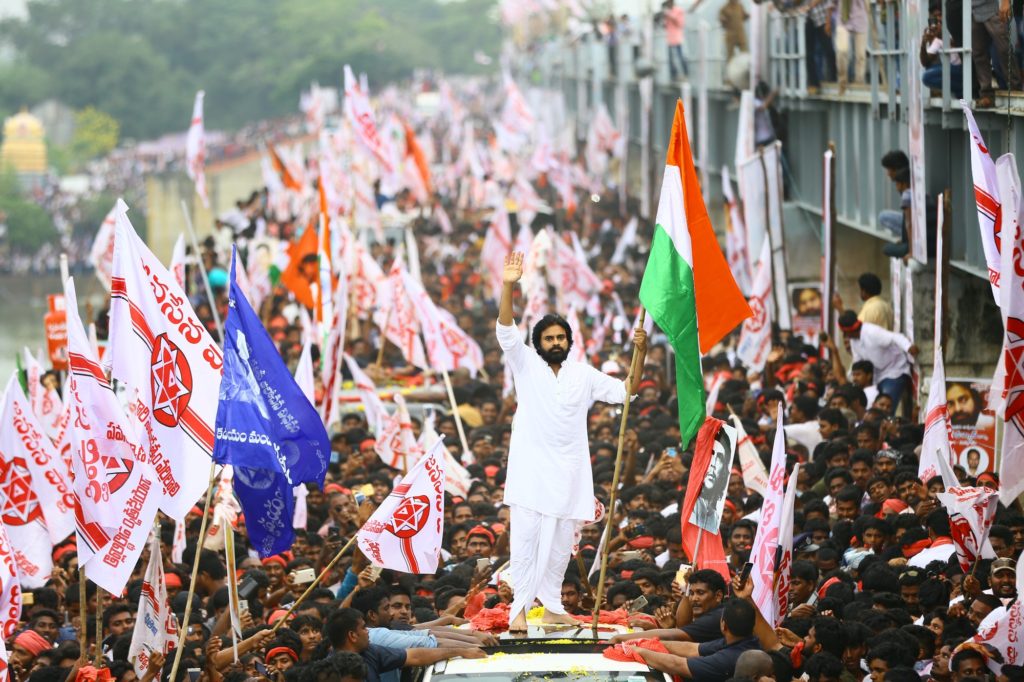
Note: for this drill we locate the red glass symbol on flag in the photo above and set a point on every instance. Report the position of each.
(171, 381)
(20, 504)
(410, 516)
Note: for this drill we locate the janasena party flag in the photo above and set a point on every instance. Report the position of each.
(764, 551)
(266, 428)
(10, 598)
(404, 534)
(169, 364)
(116, 490)
(688, 288)
(971, 512)
(156, 628)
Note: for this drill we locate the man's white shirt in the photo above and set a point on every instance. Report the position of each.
(887, 351)
(549, 455)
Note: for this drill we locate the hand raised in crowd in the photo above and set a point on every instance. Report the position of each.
(665, 615)
(513, 271)
(367, 578)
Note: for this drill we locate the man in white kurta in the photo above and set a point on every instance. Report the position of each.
(549, 486)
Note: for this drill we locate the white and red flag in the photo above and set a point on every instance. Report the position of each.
(457, 480)
(170, 366)
(971, 512)
(578, 352)
(404, 534)
(756, 334)
(785, 553)
(360, 116)
(372, 404)
(115, 489)
(497, 245)
(1004, 633)
(736, 236)
(395, 442)
(769, 528)
(177, 265)
(156, 629)
(448, 347)
(46, 402)
(986, 196)
(572, 278)
(22, 439)
(755, 475)
(935, 445)
(10, 595)
(102, 253)
(195, 149)
(1011, 293)
(396, 317)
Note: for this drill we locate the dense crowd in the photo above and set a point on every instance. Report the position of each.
(876, 587)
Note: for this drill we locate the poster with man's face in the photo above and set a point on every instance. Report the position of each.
(972, 425)
(806, 303)
(707, 513)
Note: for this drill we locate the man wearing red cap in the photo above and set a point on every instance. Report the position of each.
(549, 487)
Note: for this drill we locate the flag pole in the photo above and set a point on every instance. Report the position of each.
(615, 478)
(455, 409)
(83, 613)
(384, 336)
(206, 283)
(312, 586)
(195, 561)
(98, 654)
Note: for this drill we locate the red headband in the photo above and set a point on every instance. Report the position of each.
(280, 650)
(275, 559)
(852, 328)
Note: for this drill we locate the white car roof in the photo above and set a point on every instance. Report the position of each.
(530, 662)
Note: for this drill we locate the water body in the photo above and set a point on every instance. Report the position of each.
(22, 307)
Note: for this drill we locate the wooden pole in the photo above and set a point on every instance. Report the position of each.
(83, 613)
(205, 274)
(455, 410)
(383, 336)
(312, 586)
(97, 658)
(183, 633)
(615, 479)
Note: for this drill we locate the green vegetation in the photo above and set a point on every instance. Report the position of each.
(28, 225)
(141, 61)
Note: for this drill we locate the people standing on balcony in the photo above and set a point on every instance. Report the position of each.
(629, 37)
(851, 36)
(990, 29)
(612, 39)
(931, 51)
(674, 19)
(821, 55)
(733, 19)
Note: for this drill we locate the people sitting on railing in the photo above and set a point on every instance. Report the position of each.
(931, 49)
(990, 29)
(851, 36)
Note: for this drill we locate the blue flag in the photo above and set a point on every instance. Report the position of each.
(266, 428)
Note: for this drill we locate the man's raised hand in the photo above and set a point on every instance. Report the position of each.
(513, 268)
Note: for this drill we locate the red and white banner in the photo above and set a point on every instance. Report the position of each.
(769, 525)
(177, 266)
(448, 347)
(170, 366)
(756, 332)
(457, 480)
(115, 488)
(971, 512)
(360, 115)
(372, 404)
(46, 402)
(986, 196)
(195, 149)
(935, 445)
(1004, 634)
(755, 475)
(395, 442)
(574, 281)
(785, 553)
(396, 317)
(10, 594)
(578, 352)
(102, 253)
(516, 115)
(736, 236)
(1011, 302)
(22, 439)
(156, 629)
(404, 534)
(497, 245)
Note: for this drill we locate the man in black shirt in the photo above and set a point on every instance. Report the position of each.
(699, 613)
(346, 631)
(711, 661)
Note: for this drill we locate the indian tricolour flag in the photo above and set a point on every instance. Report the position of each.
(688, 288)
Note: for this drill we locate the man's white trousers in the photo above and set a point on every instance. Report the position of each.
(541, 548)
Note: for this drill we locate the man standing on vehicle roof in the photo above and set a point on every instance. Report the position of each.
(549, 486)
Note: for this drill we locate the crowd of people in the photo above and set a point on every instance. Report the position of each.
(876, 589)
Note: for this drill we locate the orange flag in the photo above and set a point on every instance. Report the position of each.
(303, 268)
(287, 178)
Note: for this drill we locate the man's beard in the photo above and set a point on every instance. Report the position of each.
(963, 418)
(554, 356)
